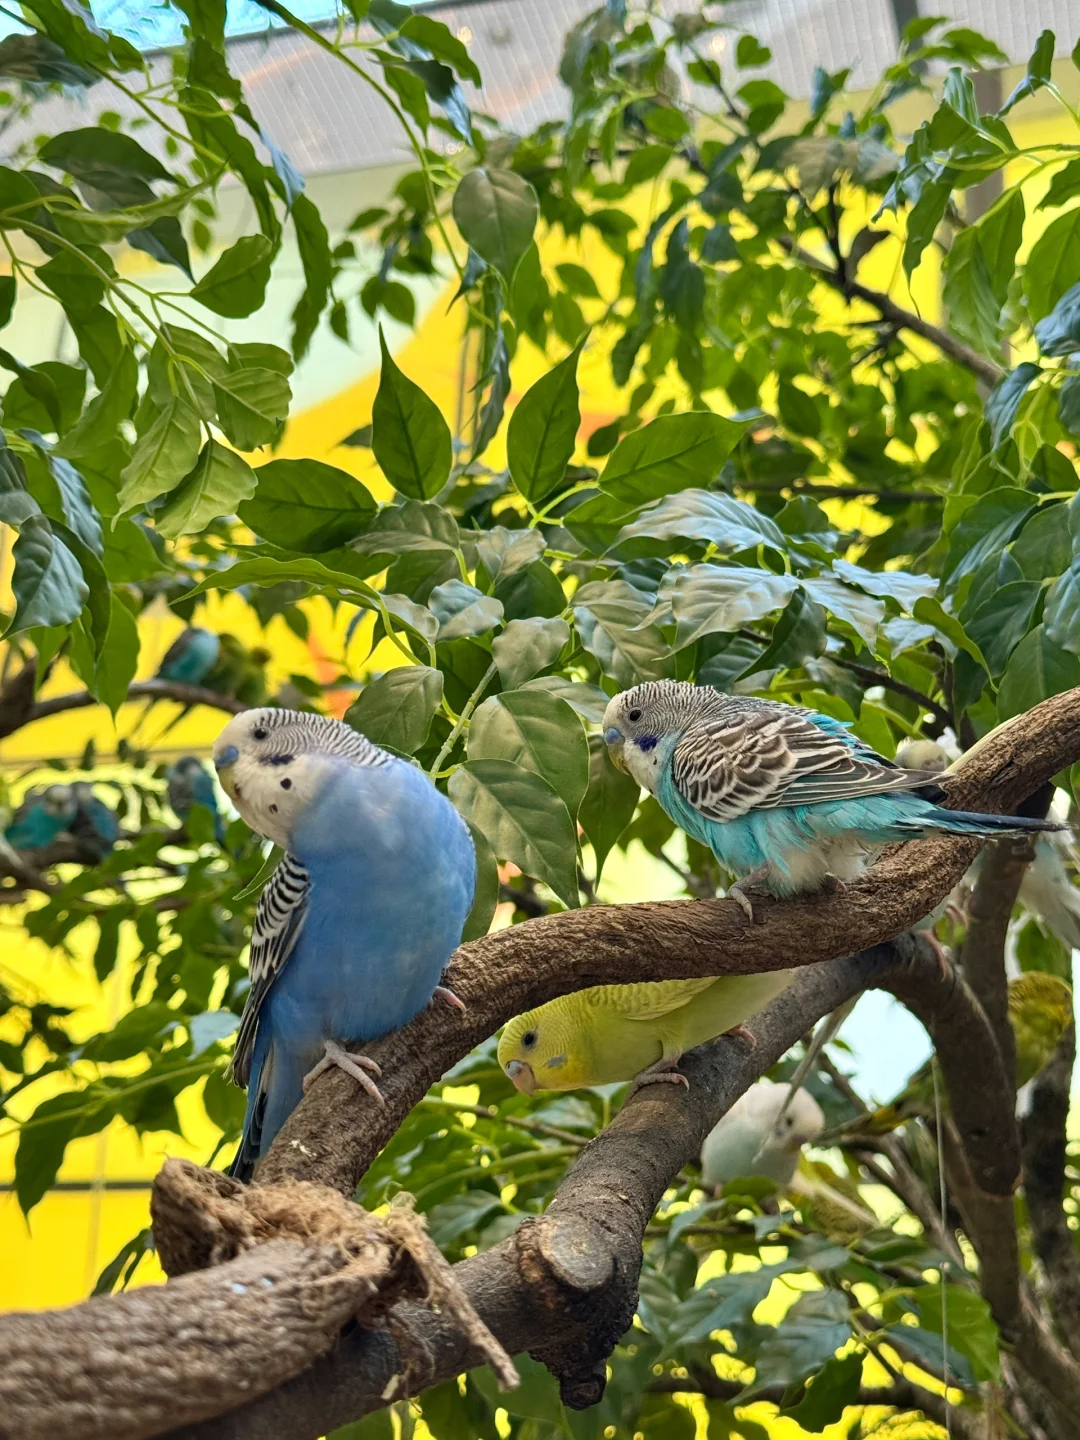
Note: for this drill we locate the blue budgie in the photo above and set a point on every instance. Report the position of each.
(355, 926)
(191, 656)
(94, 826)
(42, 817)
(190, 783)
(783, 796)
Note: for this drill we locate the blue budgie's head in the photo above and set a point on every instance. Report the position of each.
(272, 763)
(638, 722)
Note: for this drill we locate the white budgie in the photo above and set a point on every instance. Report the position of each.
(742, 1142)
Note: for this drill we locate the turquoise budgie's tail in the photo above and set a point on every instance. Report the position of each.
(966, 822)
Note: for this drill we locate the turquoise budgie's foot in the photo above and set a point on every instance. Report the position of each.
(939, 950)
(355, 1065)
(663, 1072)
(737, 892)
(443, 992)
(833, 885)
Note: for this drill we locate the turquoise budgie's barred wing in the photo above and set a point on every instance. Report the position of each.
(280, 913)
(762, 755)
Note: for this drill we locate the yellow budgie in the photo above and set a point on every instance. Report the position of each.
(613, 1033)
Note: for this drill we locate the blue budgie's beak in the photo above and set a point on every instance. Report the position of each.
(613, 739)
(224, 760)
(521, 1073)
(227, 757)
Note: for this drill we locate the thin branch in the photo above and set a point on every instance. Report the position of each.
(842, 492)
(985, 370)
(142, 689)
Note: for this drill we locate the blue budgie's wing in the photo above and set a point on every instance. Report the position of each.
(280, 913)
(765, 755)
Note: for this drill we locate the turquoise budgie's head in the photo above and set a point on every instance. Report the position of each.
(59, 801)
(272, 763)
(638, 722)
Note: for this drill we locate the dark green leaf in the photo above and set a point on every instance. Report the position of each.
(528, 646)
(219, 480)
(164, 454)
(36, 57)
(119, 657)
(318, 265)
(1062, 614)
(1053, 267)
(496, 212)
(609, 803)
(974, 311)
(805, 1340)
(306, 505)
(612, 620)
(537, 731)
(1001, 622)
(985, 529)
(1005, 398)
(671, 453)
(48, 583)
(486, 896)
(543, 430)
(829, 1393)
(396, 709)
(462, 610)
(523, 819)
(707, 599)
(1037, 669)
(42, 1145)
(105, 159)
(410, 438)
(236, 284)
(968, 1324)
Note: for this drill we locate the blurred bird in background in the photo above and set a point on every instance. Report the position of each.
(744, 1143)
(94, 827)
(191, 656)
(190, 783)
(43, 815)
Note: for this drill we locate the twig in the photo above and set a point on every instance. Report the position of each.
(142, 689)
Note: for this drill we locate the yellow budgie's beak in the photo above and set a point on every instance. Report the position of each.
(615, 742)
(521, 1073)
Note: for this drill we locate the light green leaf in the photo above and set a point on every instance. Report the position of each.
(236, 284)
(537, 731)
(219, 480)
(251, 404)
(543, 430)
(898, 585)
(48, 582)
(523, 819)
(163, 456)
(306, 505)
(526, 646)
(613, 622)
(974, 311)
(462, 610)
(727, 523)
(396, 708)
(673, 452)
(609, 803)
(486, 895)
(265, 570)
(119, 657)
(861, 612)
(1053, 265)
(968, 1322)
(410, 438)
(496, 212)
(707, 599)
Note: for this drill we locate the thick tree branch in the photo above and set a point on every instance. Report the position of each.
(1001, 871)
(14, 714)
(334, 1133)
(1044, 1179)
(896, 315)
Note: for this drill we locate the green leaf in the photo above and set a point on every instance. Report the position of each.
(974, 311)
(523, 819)
(235, 285)
(219, 480)
(410, 527)
(16, 502)
(863, 613)
(805, 1340)
(968, 1324)
(462, 610)
(1043, 548)
(1037, 669)
(528, 646)
(486, 896)
(165, 453)
(1038, 71)
(829, 1393)
(1000, 231)
(543, 430)
(48, 583)
(1064, 186)
(268, 571)
(711, 599)
(105, 159)
(410, 438)
(721, 1303)
(318, 265)
(985, 529)
(396, 708)
(306, 505)
(36, 57)
(931, 612)
(799, 635)
(504, 552)
(727, 523)
(1004, 399)
(42, 1145)
(251, 404)
(671, 453)
(537, 731)
(61, 492)
(609, 803)
(1053, 267)
(119, 657)
(897, 585)
(496, 212)
(613, 621)
(589, 701)
(1062, 614)
(440, 40)
(1002, 620)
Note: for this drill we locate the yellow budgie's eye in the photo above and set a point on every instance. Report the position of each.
(529, 1039)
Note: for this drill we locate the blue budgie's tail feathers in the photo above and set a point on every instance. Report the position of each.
(967, 822)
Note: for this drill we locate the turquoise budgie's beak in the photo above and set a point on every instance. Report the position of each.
(521, 1073)
(613, 739)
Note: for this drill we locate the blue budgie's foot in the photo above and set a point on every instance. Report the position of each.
(355, 1065)
(663, 1072)
(443, 992)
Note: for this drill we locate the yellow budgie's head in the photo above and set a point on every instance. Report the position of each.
(1040, 1008)
(546, 1048)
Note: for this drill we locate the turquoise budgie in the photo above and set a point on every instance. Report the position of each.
(355, 926)
(743, 1142)
(41, 818)
(94, 827)
(191, 656)
(191, 784)
(780, 794)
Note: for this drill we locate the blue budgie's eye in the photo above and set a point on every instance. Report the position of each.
(633, 715)
(259, 733)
